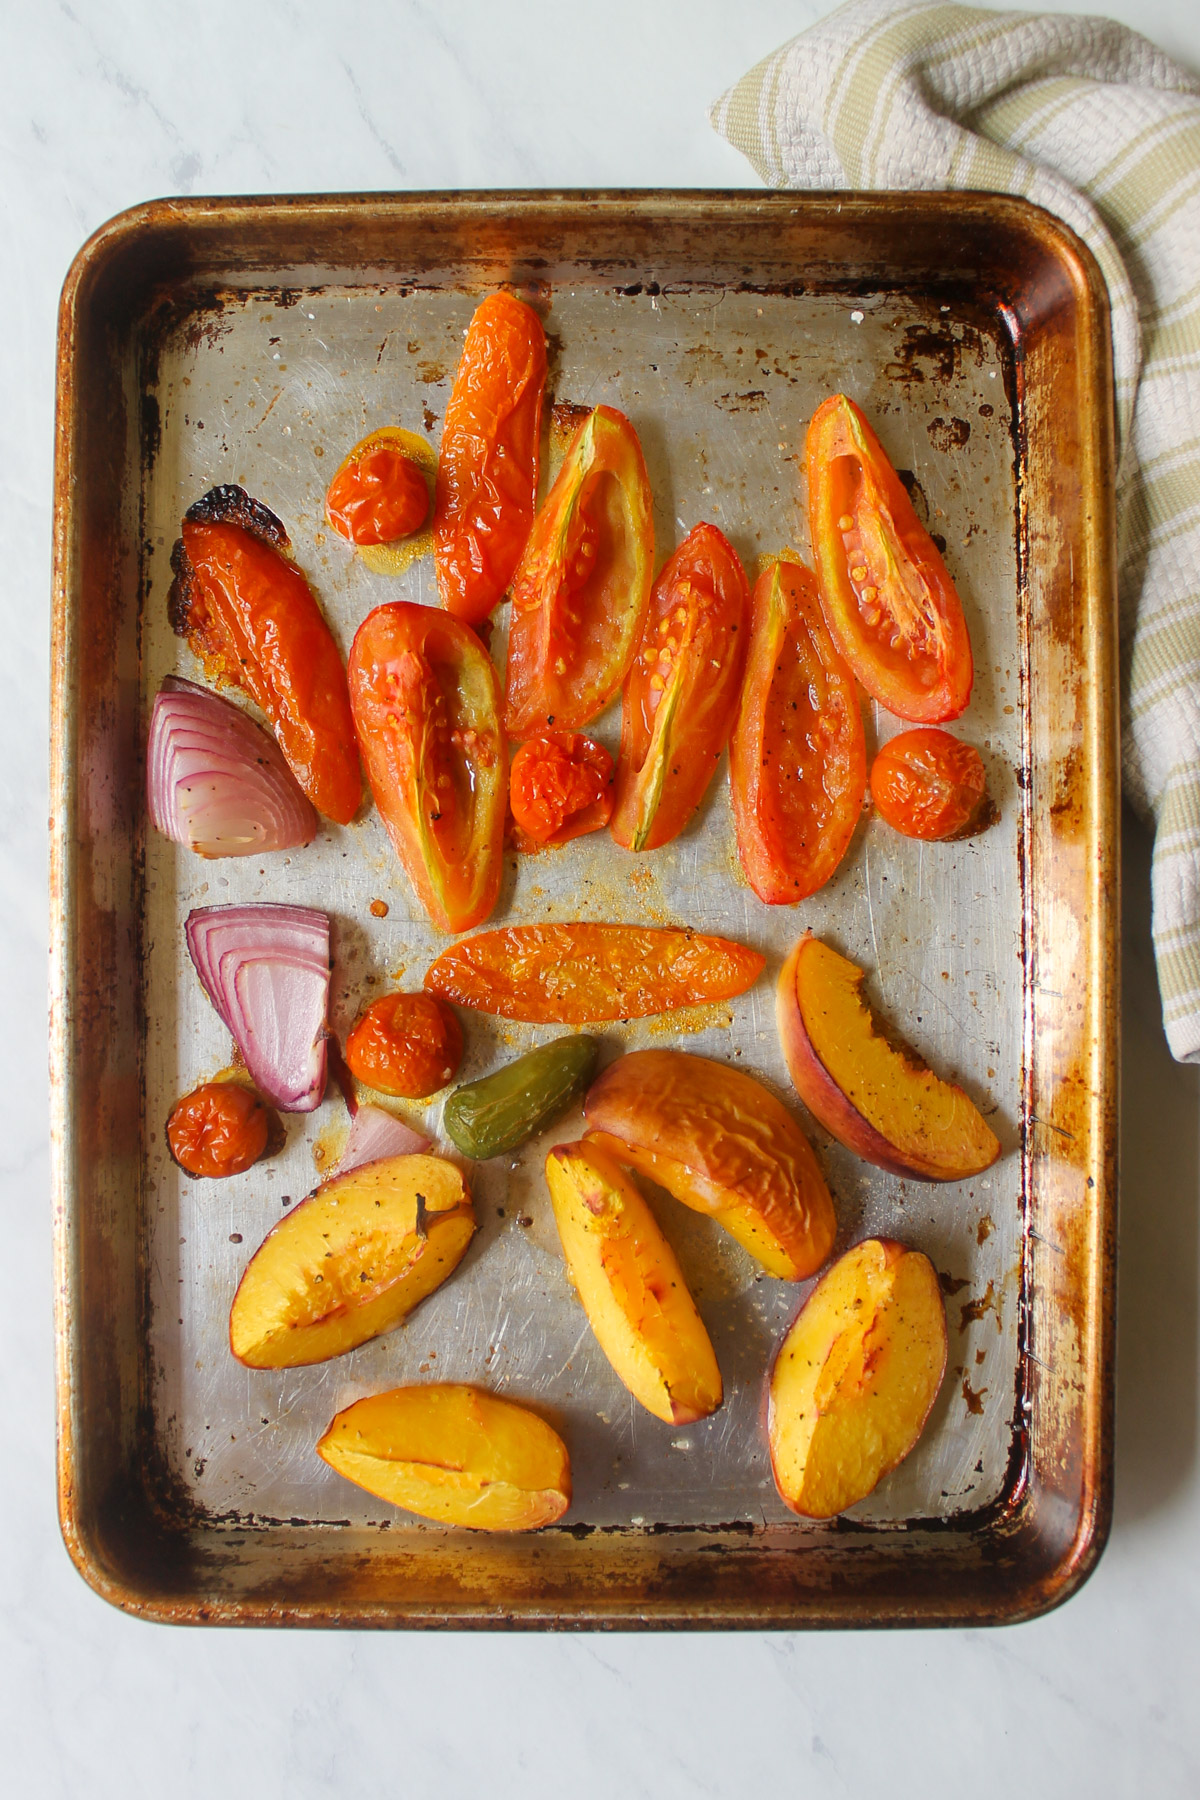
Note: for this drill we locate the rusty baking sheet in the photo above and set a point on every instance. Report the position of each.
(254, 341)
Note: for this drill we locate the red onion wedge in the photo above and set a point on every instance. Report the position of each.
(217, 782)
(266, 970)
(376, 1133)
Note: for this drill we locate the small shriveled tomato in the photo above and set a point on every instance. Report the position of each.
(426, 708)
(253, 620)
(928, 784)
(405, 1044)
(221, 1128)
(488, 469)
(681, 694)
(561, 787)
(378, 495)
(580, 595)
(888, 600)
(797, 758)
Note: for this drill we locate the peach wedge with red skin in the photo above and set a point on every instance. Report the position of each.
(453, 1453)
(631, 1286)
(880, 1103)
(722, 1144)
(856, 1377)
(351, 1261)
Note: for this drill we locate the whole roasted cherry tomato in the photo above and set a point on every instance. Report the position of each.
(561, 787)
(426, 708)
(219, 1129)
(377, 496)
(406, 1044)
(928, 784)
(888, 600)
(251, 617)
(579, 597)
(681, 693)
(797, 758)
(488, 468)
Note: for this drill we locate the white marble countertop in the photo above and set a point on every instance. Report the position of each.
(109, 102)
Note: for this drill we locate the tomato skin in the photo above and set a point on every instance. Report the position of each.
(928, 784)
(221, 1128)
(861, 519)
(797, 758)
(250, 615)
(378, 496)
(426, 708)
(488, 469)
(681, 694)
(405, 1044)
(580, 595)
(561, 787)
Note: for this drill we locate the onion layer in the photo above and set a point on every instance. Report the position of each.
(266, 971)
(216, 782)
(376, 1133)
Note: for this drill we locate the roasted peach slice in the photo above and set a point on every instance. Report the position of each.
(856, 1377)
(350, 1261)
(631, 1286)
(720, 1142)
(881, 1103)
(455, 1454)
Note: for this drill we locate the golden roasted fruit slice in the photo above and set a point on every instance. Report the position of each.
(877, 1101)
(350, 1261)
(455, 1454)
(631, 1286)
(856, 1377)
(720, 1142)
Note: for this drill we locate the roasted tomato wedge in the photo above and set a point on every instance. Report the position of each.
(252, 619)
(561, 787)
(488, 469)
(378, 495)
(888, 600)
(580, 595)
(681, 694)
(928, 784)
(426, 708)
(797, 759)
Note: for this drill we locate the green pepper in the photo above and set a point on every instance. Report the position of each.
(499, 1112)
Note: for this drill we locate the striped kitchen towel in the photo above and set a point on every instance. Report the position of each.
(1092, 122)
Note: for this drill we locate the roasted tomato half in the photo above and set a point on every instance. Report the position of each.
(561, 787)
(888, 600)
(252, 619)
(580, 595)
(681, 694)
(426, 708)
(488, 468)
(928, 784)
(797, 759)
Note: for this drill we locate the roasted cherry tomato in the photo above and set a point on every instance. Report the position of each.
(561, 787)
(406, 1044)
(378, 495)
(426, 708)
(219, 1129)
(797, 759)
(488, 469)
(681, 694)
(579, 597)
(251, 617)
(888, 601)
(928, 784)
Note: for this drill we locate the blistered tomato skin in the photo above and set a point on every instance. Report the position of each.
(405, 1044)
(681, 694)
(928, 784)
(488, 468)
(219, 1129)
(561, 787)
(378, 497)
(797, 758)
(888, 599)
(580, 594)
(426, 708)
